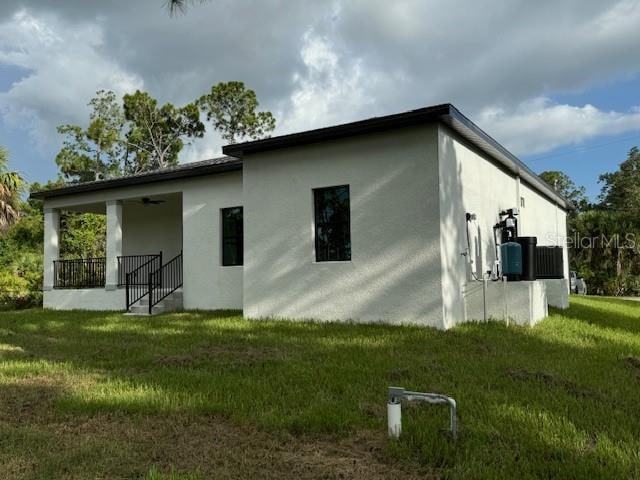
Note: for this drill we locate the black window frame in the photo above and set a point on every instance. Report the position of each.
(232, 239)
(322, 255)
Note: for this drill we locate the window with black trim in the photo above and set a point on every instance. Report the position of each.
(232, 242)
(332, 224)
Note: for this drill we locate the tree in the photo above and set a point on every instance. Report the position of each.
(97, 151)
(11, 184)
(603, 240)
(21, 259)
(606, 252)
(157, 135)
(607, 235)
(123, 140)
(83, 235)
(562, 184)
(232, 109)
(621, 189)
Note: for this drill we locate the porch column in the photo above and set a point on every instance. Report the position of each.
(51, 241)
(114, 243)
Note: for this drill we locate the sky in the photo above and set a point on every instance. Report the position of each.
(557, 83)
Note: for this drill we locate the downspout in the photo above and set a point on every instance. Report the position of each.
(557, 230)
(519, 229)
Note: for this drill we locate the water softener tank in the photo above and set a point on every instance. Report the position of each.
(511, 255)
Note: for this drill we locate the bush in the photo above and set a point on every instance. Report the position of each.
(21, 280)
(21, 262)
(18, 292)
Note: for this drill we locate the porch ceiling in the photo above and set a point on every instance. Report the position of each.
(98, 207)
(149, 201)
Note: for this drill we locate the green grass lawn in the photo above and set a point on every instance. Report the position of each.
(211, 395)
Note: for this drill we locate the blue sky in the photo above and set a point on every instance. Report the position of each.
(584, 162)
(561, 90)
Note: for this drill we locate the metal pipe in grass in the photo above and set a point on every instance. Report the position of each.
(394, 409)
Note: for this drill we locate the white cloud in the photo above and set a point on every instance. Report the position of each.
(316, 64)
(475, 55)
(66, 65)
(539, 125)
(378, 58)
(210, 146)
(333, 88)
(328, 91)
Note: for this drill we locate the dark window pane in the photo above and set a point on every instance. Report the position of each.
(232, 241)
(332, 224)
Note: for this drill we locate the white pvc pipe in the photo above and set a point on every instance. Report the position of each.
(394, 419)
(484, 297)
(394, 412)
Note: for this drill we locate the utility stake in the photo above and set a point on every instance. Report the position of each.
(394, 408)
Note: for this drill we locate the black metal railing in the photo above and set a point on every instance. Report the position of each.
(79, 273)
(164, 281)
(133, 263)
(137, 282)
(549, 262)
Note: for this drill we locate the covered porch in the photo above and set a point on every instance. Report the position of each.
(143, 260)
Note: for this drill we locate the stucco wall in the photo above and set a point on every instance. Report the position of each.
(471, 183)
(148, 229)
(394, 274)
(523, 303)
(557, 292)
(84, 299)
(207, 284)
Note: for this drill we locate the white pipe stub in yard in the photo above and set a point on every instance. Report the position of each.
(394, 417)
(394, 409)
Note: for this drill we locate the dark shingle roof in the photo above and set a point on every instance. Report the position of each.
(203, 167)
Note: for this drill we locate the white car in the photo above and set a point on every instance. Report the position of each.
(577, 283)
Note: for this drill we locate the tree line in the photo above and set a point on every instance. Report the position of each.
(604, 236)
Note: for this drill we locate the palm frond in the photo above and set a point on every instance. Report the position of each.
(10, 183)
(179, 7)
(11, 186)
(8, 215)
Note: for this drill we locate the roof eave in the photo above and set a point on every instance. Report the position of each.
(471, 132)
(445, 113)
(370, 125)
(137, 180)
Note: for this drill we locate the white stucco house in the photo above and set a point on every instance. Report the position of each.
(365, 221)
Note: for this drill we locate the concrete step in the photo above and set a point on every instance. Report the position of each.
(166, 302)
(171, 303)
(144, 311)
(172, 297)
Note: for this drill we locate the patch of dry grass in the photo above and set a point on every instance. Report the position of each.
(38, 442)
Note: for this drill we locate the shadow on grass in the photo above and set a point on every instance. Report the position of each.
(544, 394)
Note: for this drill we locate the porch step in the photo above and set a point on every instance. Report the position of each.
(171, 303)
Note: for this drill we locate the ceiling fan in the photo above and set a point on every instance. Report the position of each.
(149, 201)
